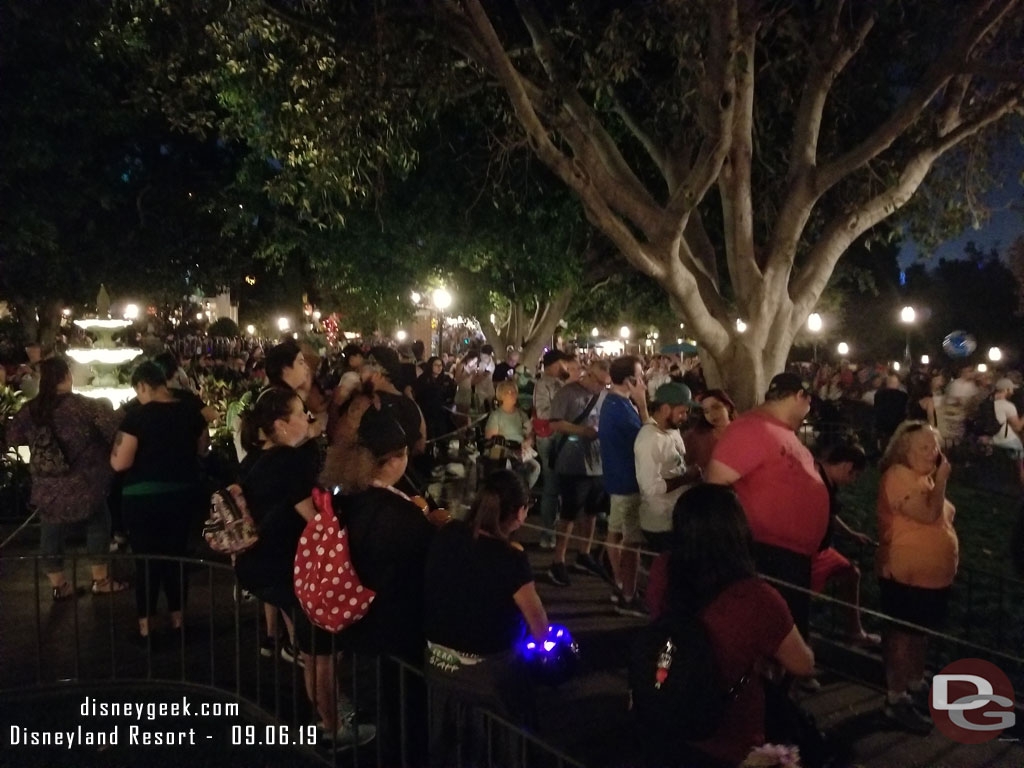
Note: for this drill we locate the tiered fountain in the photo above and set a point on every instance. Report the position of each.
(103, 358)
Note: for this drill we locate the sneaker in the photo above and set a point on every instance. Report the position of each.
(267, 647)
(903, 714)
(810, 684)
(559, 575)
(631, 607)
(547, 540)
(585, 563)
(291, 654)
(349, 734)
(616, 595)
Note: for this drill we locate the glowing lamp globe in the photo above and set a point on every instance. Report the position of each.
(553, 660)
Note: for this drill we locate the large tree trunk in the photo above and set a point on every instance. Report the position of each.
(544, 328)
(744, 369)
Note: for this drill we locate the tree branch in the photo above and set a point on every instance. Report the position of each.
(638, 204)
(847, 227)
(652, 146)
(724, 101)
(985, 17)
(293, 19)
(570, 172)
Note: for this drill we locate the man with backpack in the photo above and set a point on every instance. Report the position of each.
(1007, 420)
(576, 459)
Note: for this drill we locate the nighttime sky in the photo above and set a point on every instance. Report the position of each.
(1004, 226)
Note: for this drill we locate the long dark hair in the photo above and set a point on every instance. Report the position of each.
(52, 372)
(272, 404)
(710, 546)
(502, 496)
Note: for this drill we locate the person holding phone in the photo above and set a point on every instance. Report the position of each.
(916, 563)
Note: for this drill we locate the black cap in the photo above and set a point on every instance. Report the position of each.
(388, 360)
(787, 384)
(555, 356)
(380, 432)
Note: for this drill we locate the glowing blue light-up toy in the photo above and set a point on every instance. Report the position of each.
(554, 659)
(959, 344)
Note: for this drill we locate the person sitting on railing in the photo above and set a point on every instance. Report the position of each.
(510, 435)
(480, 591)
(916, 563)
(158, 444)
(709, 571)
(82, 430)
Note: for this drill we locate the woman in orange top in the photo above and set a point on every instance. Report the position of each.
(917, 560)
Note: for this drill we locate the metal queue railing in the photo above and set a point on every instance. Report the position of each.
(80, 642)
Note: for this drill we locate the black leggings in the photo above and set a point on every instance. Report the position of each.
(158, 525)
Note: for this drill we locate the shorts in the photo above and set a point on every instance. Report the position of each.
(825, 565)
(624, 517)
(658, 541)
(916, 605)
(309, 638)
(581, 495)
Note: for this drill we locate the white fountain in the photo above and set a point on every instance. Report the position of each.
(104, 355)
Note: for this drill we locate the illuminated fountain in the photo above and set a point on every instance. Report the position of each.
(104, 356)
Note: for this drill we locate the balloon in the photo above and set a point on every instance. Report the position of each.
(553, 660)
(959, 344)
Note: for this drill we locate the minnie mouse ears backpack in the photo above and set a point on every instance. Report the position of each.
(326, 584)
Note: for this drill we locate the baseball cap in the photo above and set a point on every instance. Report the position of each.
(388, 360)
(380, 432)
(673, 393)
(1005, 383)
(555, 356)
(787, 383)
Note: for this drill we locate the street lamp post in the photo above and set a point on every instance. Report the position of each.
(814, 325)
(442, 300)
(907, 316)
(624, 334)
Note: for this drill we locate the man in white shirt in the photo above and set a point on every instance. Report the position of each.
(963, 388)
(661, 469)
(1010, 423)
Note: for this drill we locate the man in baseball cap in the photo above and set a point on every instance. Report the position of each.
(661, 468)
(1010, 422)
(773, 474)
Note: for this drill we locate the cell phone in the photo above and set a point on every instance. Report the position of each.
(938, 460)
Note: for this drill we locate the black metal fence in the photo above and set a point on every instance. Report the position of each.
(88, 644)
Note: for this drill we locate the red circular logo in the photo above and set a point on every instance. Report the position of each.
(972, 701)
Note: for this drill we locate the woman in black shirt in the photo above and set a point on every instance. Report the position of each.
(278, 477)
(480, 592)
(157, 448)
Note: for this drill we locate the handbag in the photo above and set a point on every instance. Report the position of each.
(47, 457)
(325, 581)
(229, 529)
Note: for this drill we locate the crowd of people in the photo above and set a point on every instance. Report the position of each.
(716, 496)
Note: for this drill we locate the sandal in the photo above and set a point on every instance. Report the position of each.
(64, 592)
(108, 586)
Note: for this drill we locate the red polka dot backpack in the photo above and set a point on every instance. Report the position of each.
(325, 581)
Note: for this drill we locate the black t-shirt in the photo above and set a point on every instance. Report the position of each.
(406, 412)
(470, 587)
(502, 372)
(389, 537)
(273, 482)
(890, 409)
(168, 435)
